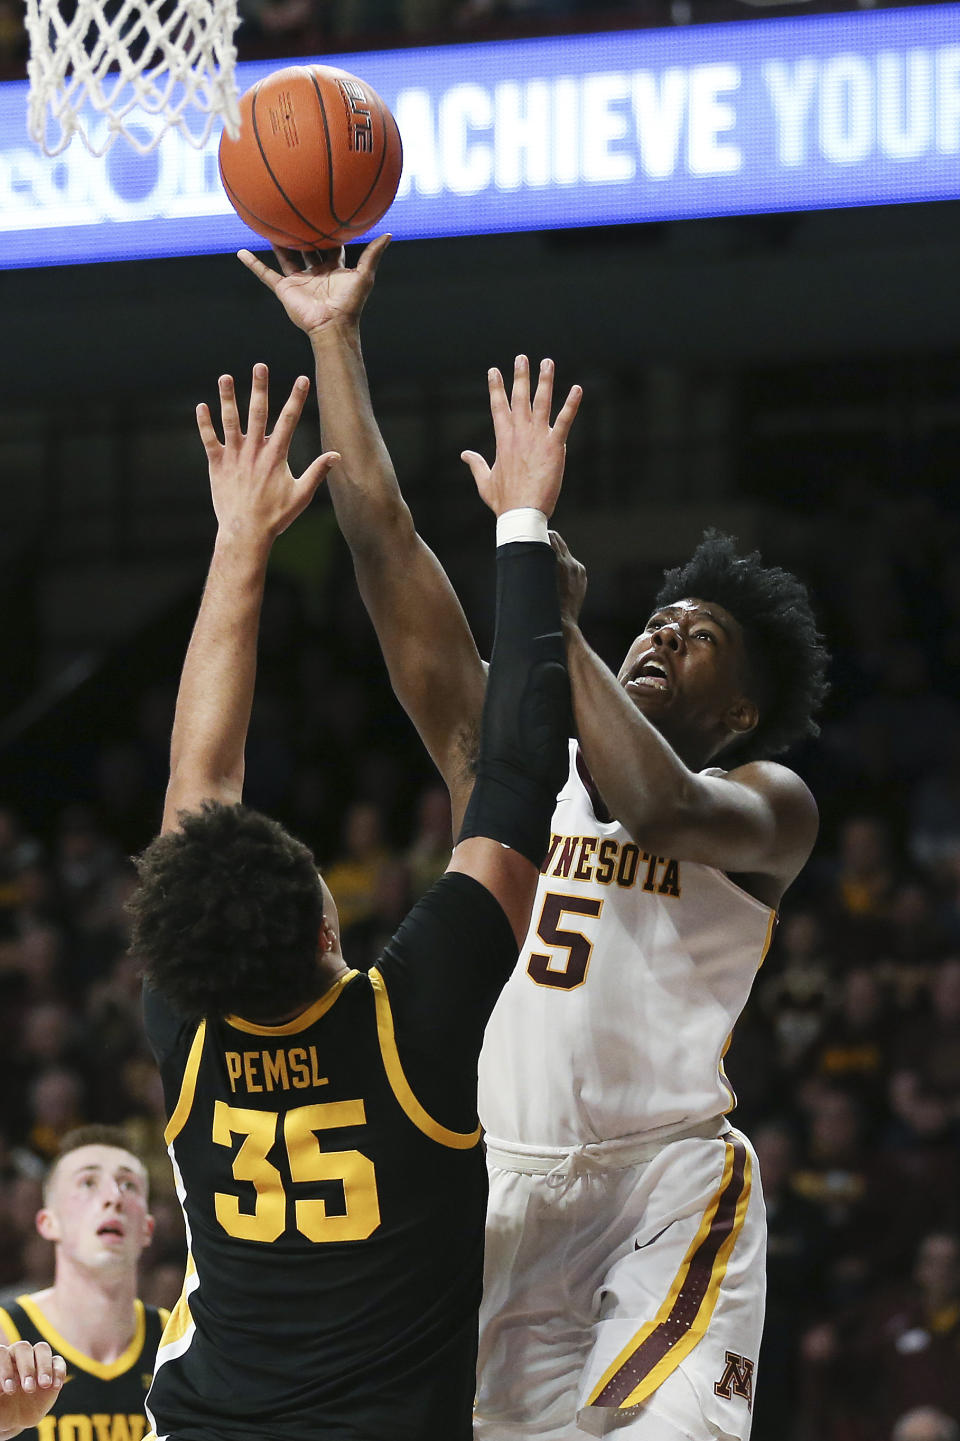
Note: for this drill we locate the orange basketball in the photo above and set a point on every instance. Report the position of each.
(317, 161)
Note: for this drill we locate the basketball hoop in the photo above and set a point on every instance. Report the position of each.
(95, 65)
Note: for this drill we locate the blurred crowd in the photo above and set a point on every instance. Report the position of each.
(278, 28)
(275, 28)
(846, 1062)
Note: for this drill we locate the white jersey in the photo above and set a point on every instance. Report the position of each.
(633, 973)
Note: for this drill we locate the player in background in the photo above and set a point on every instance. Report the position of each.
(95, 1211)
(323, 1121)
(624, 1281)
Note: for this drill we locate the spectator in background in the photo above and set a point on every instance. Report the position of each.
(865, 873)
(930, 1046)
(926, 1423)
(429, 851)
(793, 996)
(795, 1253)
(908, 1347)
(22, 1199)
(853, 1050)
(389, 904)
(16, 853)
(55, 1106)
(916, 1174)
(83, 859)
(832, 1173)
(916, 938)
(354, 874)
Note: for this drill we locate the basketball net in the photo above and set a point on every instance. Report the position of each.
(119, 60)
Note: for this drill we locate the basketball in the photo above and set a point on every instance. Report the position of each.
(317, 161)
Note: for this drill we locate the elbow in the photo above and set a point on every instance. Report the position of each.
(393, 533)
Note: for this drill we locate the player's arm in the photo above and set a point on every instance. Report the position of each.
(435, 668)
(30, 1380)
(758, 819)
(255, 497)
(526, 714)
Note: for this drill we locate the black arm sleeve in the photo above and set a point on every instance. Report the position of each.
(166, 1031)
(444, 970)
(526, 714)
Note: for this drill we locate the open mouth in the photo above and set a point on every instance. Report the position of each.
(649, 676)
(111, 1228)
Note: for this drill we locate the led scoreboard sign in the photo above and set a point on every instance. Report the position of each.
(760, 115)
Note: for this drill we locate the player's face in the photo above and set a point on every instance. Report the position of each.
(686, 672)
(96, 1209)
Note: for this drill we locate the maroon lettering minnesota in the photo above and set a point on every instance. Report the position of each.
(610, 862)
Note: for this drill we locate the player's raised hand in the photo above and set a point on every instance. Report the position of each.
(316, 287)
(528, 468)
(255, 494)
(30, 1382)
(571, 580)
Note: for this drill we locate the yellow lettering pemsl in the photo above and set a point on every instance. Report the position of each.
(251, 1059)
(275, 1070)
(299, 1067)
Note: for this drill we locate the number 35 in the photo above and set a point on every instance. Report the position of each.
(308, 1162)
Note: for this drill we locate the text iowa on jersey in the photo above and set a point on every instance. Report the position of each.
(101, 1426)
(609, 862)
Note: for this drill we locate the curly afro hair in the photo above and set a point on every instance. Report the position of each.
(785, 652)
(227, 915)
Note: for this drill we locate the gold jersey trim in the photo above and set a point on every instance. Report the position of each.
(188, 1086)
(658, 1347)
(724, 1079)
(8, 1328)
(299, 1023)
(103, 1370)
(457, 1140)
(179, 1320)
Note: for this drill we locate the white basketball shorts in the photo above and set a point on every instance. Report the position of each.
(622, 1298)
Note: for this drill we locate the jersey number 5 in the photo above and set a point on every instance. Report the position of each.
(268, 1219)
(575, 943)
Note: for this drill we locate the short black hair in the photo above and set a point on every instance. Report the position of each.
(226, 917)
(785, 652)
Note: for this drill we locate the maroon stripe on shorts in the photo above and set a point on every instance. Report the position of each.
(689, 1299)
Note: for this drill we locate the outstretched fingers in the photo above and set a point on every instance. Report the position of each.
(499, 404)
(208, 436)
(479, 468)
(567, 414)
(229, 415)
(263, 272)
(290, 415)
(259, 402)
(372, 254)
(520, 396)
(317, 472)
(543, 395)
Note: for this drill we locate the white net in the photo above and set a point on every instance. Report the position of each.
(95, 66)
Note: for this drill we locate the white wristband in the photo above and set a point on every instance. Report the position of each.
(525, 523)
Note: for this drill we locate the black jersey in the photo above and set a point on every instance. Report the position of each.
(98, 1401)
(334, 1189)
